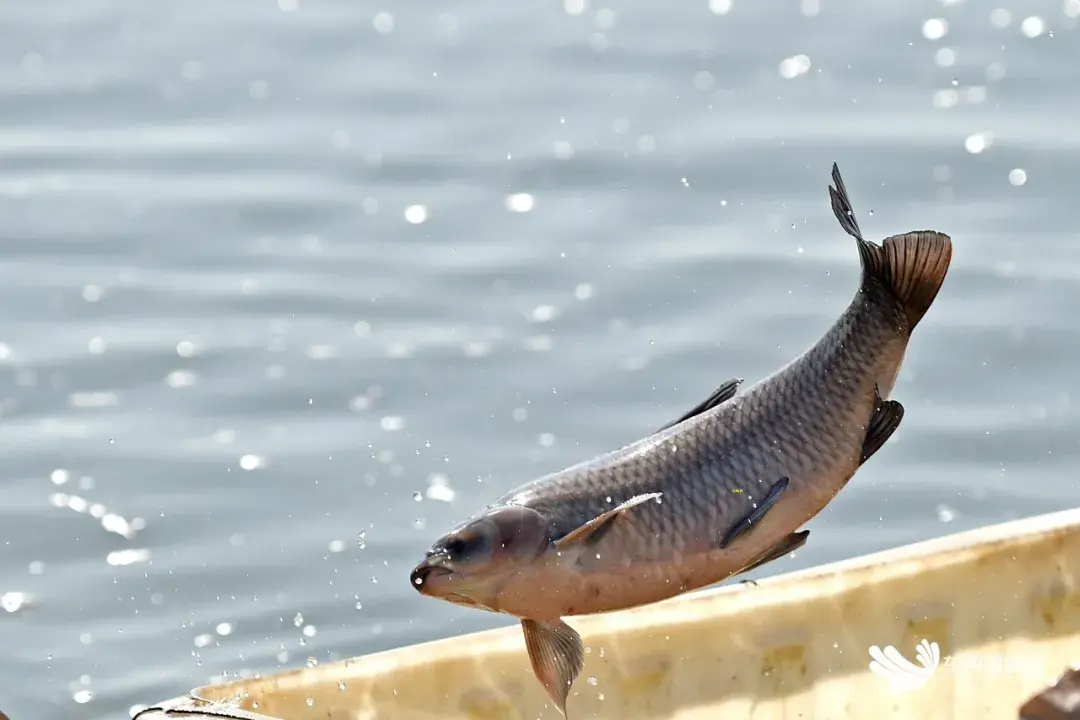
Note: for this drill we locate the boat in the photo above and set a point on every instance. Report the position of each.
(964, 626)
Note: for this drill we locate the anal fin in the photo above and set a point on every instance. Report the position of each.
(756, 514)
(883, 423)
(557, 656)
(789, 544)
(592, 531)
(719, 396)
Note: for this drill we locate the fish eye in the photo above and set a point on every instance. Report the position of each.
(506, 532)
(455, 548)
(463, 548)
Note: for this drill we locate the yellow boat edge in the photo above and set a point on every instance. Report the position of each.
(1001, 602)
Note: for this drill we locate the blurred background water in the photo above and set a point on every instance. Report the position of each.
(288, 287)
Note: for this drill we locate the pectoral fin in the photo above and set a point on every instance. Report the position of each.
(719, 396)
(789, 544)
(757, 513)
(557, 656)
(883, 423)
(591, 532)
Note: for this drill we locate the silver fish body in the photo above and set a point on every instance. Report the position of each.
(719, 492)
(806, 422)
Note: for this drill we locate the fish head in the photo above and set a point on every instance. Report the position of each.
(471, 565)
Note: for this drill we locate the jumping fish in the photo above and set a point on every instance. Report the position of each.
(718, 492)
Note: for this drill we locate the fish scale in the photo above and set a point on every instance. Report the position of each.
(721, 491)
(801, 422)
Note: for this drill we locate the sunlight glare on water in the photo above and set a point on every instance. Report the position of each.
(278, 274)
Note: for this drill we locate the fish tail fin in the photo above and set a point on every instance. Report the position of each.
(912, 266)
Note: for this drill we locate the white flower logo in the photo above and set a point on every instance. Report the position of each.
(902, 674)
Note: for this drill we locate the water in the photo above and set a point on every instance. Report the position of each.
(230, 344)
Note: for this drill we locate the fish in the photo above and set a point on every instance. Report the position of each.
(720, 491)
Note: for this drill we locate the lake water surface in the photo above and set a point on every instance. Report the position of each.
(287, 288)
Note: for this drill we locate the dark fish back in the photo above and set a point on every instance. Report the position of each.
(712, 468)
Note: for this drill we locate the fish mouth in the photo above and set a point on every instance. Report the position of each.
(429, 572)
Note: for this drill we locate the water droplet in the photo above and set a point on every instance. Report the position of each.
(574, 7)
(520, 202)
(439, 488)
(414, 214)
(310, 702)
(1033, 26)
(13, 601)
(298, 620)
(945, 513)
(417, 495)
(252, 462)
(935, 29)
(543, 313)
(794, 66)
(383, 24)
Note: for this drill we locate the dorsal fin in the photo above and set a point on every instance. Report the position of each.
(720, 395)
